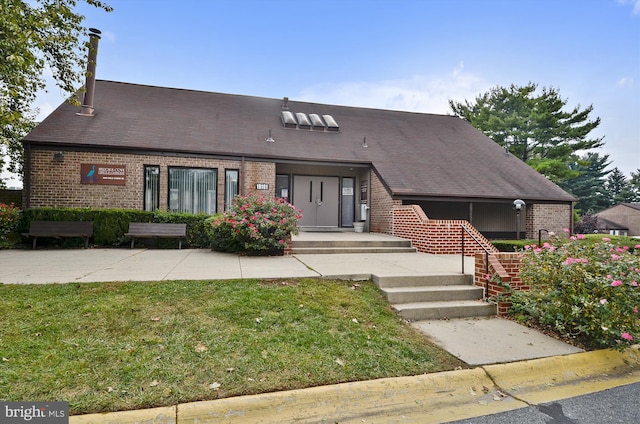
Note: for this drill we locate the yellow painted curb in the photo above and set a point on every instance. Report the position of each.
(429, 398)
(164, 415)
(560, 377)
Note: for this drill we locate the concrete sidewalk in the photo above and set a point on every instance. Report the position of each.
(120, 264)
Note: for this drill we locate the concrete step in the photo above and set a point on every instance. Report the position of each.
(354, 249)
(351, 246)
(432, 293)
(424, 280)
(352, 243)
(442, 310)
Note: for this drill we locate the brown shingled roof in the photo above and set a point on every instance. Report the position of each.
(415, 154)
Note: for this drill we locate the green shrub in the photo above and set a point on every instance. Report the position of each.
(110, 225)
(9, 219)
(583, 290)
(254, 225)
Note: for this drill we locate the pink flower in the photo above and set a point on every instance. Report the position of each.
(604, 301)
(634, 283)
(568, 261)
(572, 238)
(609, 276)
(615, 257)
(606, 239)
(616, 283)
(635, 310)
(527, 247)
(487, 277)
(546, 245)
(626, 336)
(580, 236)
(637, 246)
(566, 230)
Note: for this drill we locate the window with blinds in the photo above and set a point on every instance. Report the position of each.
(151, 187)
(192, 190)
(231, 187)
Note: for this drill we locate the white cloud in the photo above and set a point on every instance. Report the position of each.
(634, 3)
(419, 93)
(626, 81)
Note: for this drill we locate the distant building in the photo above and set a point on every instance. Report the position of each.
(622, 219)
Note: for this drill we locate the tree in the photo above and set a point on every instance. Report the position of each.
(619, 189)
(589, 187)
(534, 127)
(634, 186)
(35, 35)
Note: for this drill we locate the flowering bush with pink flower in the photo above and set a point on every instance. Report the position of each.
(9, 217)
(255, 225)
(588, 292)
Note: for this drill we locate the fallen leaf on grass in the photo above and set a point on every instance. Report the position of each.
(201, 348)
(340, 362)
(355, 320)
(155, 319)
(154, 383)
(214, 386)
(5, 359)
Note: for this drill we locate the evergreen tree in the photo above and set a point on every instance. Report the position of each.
(634, 186)
(533, 126)
(590, 186)
(618, 188)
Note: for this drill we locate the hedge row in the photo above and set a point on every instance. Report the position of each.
(110, 225)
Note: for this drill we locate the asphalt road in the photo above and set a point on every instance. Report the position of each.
(618, 405)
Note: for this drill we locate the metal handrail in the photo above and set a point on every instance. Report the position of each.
(486, 258)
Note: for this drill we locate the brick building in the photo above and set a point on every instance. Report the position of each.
(145, 147)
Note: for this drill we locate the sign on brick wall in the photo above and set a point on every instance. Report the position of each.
(95, 173)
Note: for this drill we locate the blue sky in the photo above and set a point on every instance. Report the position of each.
(393, 54)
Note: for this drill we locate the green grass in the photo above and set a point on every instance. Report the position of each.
(119, 346)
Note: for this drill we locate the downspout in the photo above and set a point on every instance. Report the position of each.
(242, 179)
(26, 176)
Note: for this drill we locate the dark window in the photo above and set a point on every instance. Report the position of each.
(282, 187)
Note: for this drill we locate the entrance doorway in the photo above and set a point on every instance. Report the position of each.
(318, 199)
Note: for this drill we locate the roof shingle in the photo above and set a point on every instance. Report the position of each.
(416, 154)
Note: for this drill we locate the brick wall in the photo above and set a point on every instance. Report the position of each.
(436, 236)
(503, 267)
(380, 215)
(57, 183)
(551, 217)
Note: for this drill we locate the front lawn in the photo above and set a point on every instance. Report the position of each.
(119, 346)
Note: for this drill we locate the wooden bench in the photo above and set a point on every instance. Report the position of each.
(60, 229)
(154, 230)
